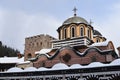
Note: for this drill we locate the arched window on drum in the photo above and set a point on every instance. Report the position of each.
(97, 40)
(72, 31)
(89, 33)
(81, 31)
(65, 33)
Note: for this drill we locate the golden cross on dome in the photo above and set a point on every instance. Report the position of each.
(75, 11)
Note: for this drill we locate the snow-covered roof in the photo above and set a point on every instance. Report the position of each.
(116, 50)
(23, 62)
(61, 66)
(43, 51)
(15, 69)
(105, 43)
(115, 62)
(95, 64)
(30, 69)
(75, 66)
(42, 69)
(12, 60)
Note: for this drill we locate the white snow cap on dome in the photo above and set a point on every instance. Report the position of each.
(115, 62)
(95, 64)
(30, 69)
(59, 66)
(43, 51)
(42, 69)
(105, 43)
(74, 66)
(15, 69)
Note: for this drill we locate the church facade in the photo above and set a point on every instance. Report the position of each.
(78, 43)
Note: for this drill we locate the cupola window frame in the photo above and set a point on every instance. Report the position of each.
(89, 33)
(82, 31)
(97, 40)
(73, 33)
(65, 33)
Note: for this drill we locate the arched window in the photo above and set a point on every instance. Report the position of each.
(89, 33)
(60, 34)
(81, 31)
(73, 32)
(65, 33)
(97, 40)
(37, 44)
(29, 55)
(40, 43)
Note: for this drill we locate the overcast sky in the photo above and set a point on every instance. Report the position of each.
(24, 18)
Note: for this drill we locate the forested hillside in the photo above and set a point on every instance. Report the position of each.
(7, 51)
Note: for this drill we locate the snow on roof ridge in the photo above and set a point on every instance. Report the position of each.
(30, 69)
(105, 43)
(23, 62)
(116, 50)
(60, 66)
(14, 69)
(42, 69)
(116, 62)
(43, 51)
(95, 64)
(76, 66)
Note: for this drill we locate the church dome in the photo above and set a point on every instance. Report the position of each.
(75, 19)
(97, 33)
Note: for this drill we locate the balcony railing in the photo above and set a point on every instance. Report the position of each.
(71, 42)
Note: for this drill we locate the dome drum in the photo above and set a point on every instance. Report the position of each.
(77, 27)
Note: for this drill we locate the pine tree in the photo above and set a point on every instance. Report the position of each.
(7, 51)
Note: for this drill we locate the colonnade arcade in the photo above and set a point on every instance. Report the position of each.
(69, 77)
